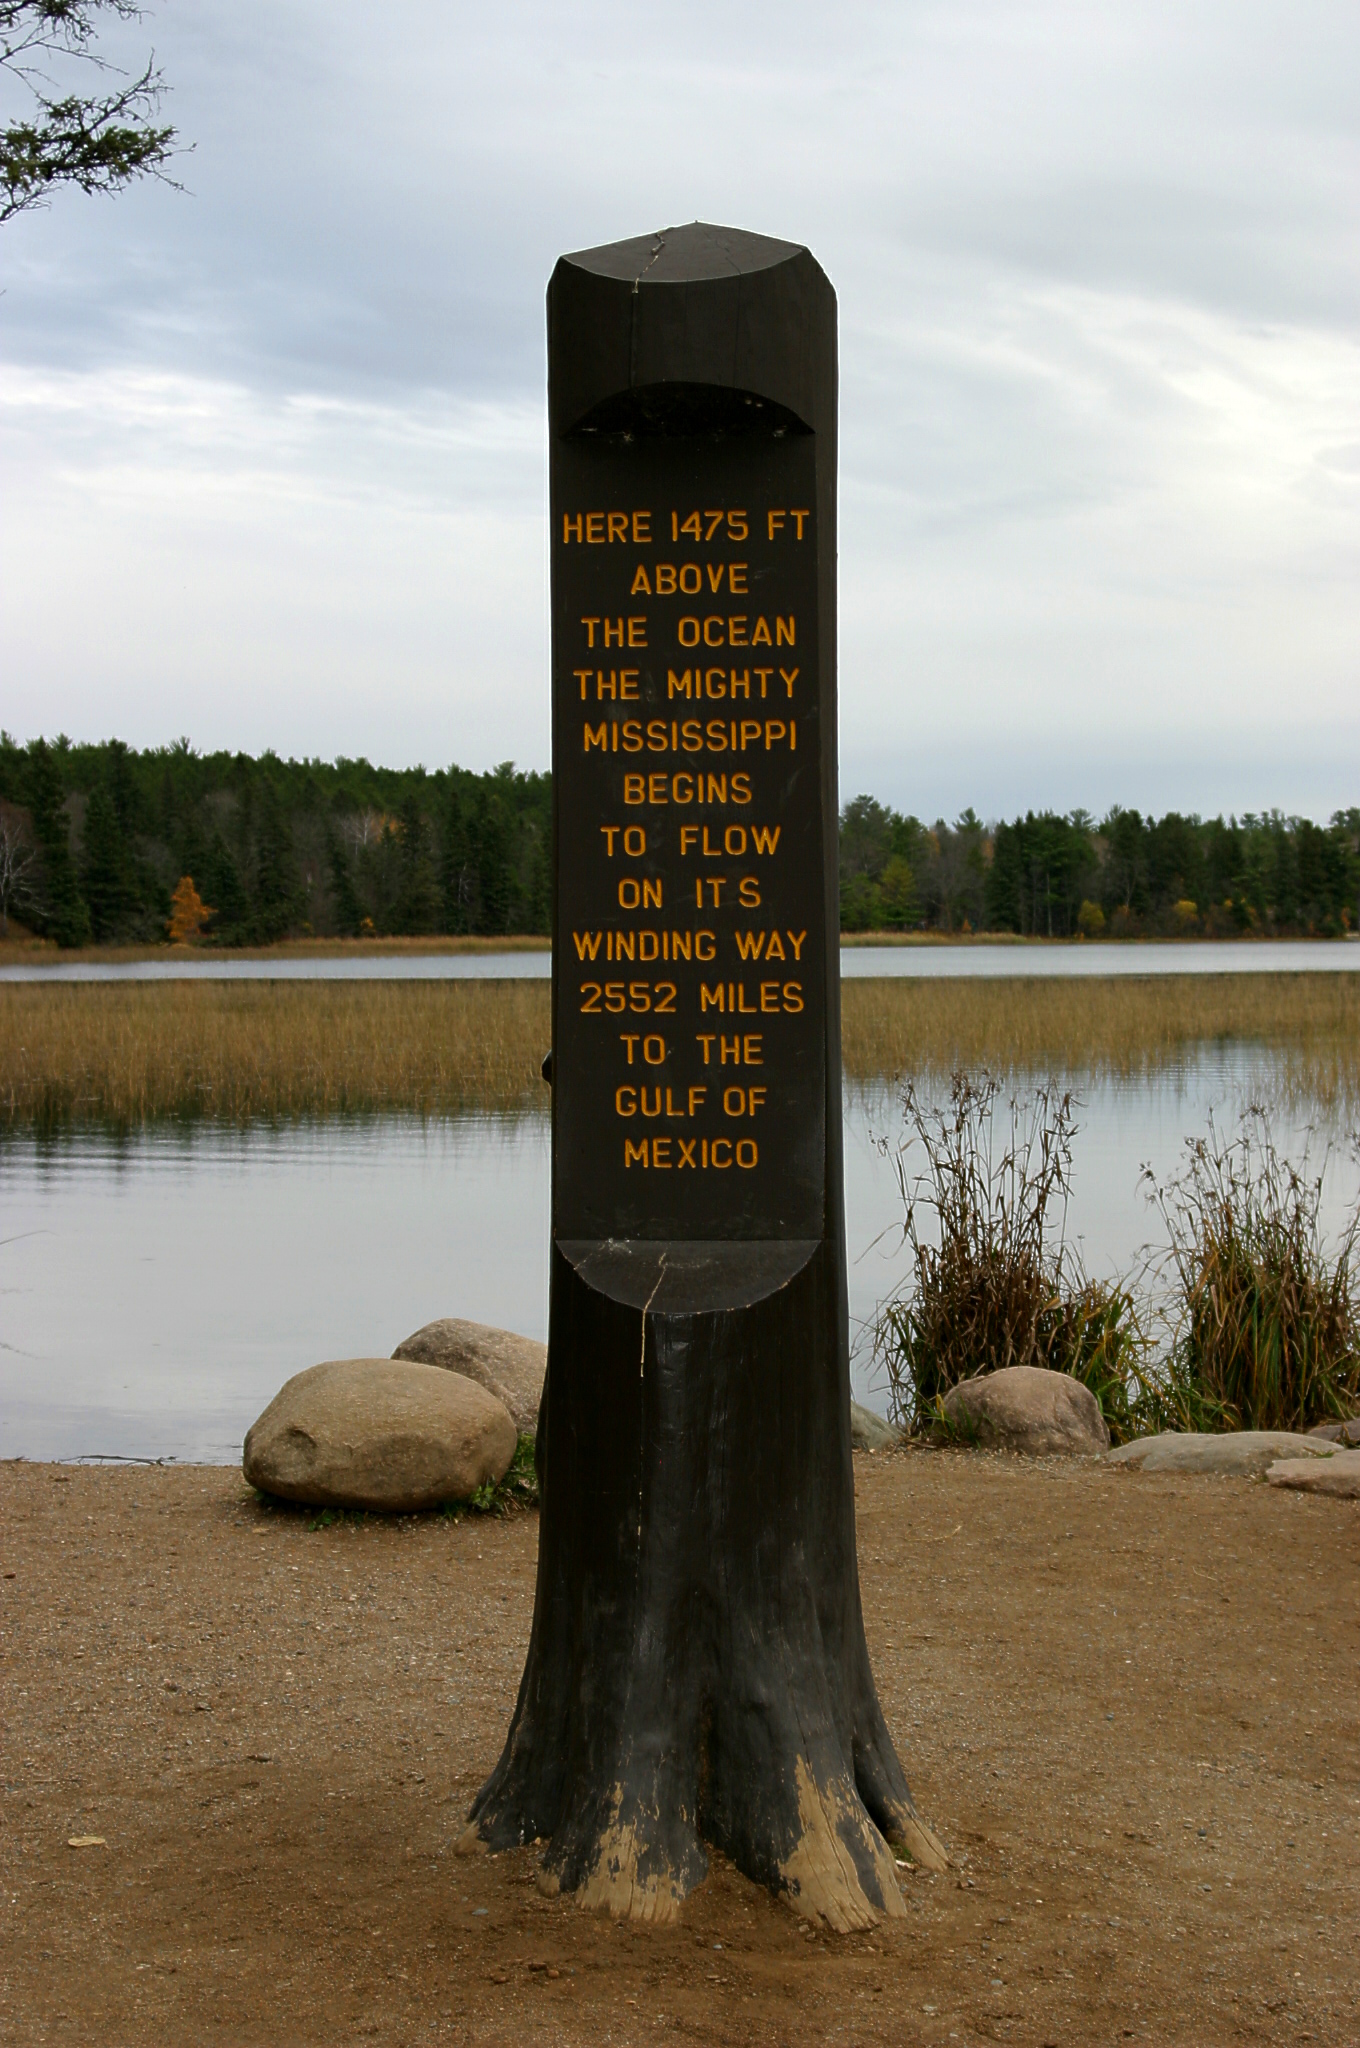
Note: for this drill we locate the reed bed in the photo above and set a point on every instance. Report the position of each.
(130, 1053)
(127, 1053)
(1118, 1027)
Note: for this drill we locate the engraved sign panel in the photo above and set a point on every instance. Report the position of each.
(690, 968)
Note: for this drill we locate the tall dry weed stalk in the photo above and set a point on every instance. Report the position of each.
(994, 1282)
(1266, 1321)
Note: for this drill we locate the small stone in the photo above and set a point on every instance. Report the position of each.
(374, 1433)
(1346, 1434)
(1338, 1475)
(1239, 1453)
(1027, 1408)
(509, 1366)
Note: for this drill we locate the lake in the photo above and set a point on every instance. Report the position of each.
(929, 962)
(156, 1291)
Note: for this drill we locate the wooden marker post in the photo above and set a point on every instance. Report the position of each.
(697, 1670)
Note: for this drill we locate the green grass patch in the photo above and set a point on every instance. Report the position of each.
(517, 1491)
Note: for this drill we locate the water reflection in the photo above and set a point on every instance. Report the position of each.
(155, 1291)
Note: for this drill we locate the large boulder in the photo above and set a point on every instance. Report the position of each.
(374, 1433)
(1241, 1453)
(1339, 1474)
(509, 1366)
(869, 1432)
(1026, 1408)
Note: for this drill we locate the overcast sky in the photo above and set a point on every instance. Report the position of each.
(272, 452)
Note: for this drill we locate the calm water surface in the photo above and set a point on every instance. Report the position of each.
(926, 963)
(156, 1292)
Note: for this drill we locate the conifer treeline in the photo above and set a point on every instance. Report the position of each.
(95, 839)
(1130, 876)
(275, 848)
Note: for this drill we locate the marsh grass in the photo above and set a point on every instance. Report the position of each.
(1266, 1319)
(1116, 1027)
(129, 1053)
(994, 1282)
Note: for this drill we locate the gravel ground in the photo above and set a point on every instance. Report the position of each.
(1128, 1704)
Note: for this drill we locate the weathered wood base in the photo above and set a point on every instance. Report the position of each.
(697, 1670)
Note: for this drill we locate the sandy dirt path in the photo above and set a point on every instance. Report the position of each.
(1130, 1705)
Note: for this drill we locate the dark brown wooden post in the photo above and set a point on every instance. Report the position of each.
(697, 1670)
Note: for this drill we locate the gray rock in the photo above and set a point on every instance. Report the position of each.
(1347, 1434)
(1242, 1453)
(869, 1432)
(375, 1433)
(1026, 1408)
(509, 1366)
(1338, 1475)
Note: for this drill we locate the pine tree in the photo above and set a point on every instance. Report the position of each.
(224, 888)
(497, 889)
(106, 868)
(276, 886)
(455, 867)
(539, 918)
(190, 842)
(65, 916)
(122, 786)
(417, 908)
(348, 910)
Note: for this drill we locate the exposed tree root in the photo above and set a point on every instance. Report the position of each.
(616, 1883)
(821, 1878)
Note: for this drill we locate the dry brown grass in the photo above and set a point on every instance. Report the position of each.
(24, 949)
(130, 1052)
(1121, 1027)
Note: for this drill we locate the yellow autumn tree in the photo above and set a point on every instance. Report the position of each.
(188, 913)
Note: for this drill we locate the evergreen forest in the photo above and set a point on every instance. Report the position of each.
(96, 843)
(1129, 876)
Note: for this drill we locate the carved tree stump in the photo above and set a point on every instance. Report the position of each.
(697, 1671)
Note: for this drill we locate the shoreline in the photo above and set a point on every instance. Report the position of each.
(240, 1750)
(31, 952)
(34, 952)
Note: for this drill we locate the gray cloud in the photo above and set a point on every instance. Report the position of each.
(273, 456)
